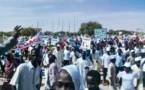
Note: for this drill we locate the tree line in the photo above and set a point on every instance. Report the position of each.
(85, 28)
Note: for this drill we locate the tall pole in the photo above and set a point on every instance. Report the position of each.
(62, 25)
(85, 26)
(74, 25)
(69, 27)
(48, 28)
(52, 26)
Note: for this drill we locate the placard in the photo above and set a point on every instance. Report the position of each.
(71, 41)
(100, 33)
(86, 43)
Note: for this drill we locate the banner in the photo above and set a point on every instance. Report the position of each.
(86, 43)
(53, 41)
(100, 33)
(35, 40)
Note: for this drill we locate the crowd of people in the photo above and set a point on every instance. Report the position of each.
(71, 67)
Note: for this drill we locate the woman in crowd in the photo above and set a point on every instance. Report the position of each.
(9, 66)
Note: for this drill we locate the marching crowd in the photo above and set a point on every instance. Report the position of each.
(71, 67)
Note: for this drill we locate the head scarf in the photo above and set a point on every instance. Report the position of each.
(75, 75)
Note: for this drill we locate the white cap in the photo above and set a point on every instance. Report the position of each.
(138, 59)
(142, 50)
(58, 45)
(143, 46)
(108, 49)
(132, 51)
(127, 64)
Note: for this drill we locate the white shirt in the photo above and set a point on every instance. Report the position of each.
(45, 59)
(125, 53)
(106, 60)
(127, 80)
(137, 51)
(66, 54)
(119, 60)
(30, 49)
(74, 58)
(143, 64)
(137, 69)
(26, 77)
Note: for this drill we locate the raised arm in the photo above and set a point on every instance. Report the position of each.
(11, 42)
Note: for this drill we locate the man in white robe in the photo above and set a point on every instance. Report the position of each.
(46, 66)
(84, 64)
(59, 56)
(136, 68)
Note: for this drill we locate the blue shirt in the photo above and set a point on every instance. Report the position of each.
(119, 60)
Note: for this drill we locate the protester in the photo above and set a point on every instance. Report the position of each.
(143, 66)
(59, 56)
(84, 55)
(84, 65)
(68, 78)
(119, 61)
(112, 73)
(27, 75)
(131, 58)
(66, 55)
(53, 69)
(8, 74)
(105, 64)
(93, 79)
(74, 55)
(136, 68)
(126, 53)
(127, 77)
(46, 66)
(96, 61)
(11, 42)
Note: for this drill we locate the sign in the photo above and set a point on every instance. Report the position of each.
(35, 40)
(100, 33)
(86, 43)
(71, 41)
(53, 41)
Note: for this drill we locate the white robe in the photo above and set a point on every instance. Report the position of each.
(140, 73)
(81, 65)
(59, 58)
(46, 62)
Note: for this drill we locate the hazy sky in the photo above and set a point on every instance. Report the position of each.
(112, 14)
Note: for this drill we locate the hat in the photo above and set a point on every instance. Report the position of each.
(127, 64)
(132, 51)
(108, 49)
(138, 59)
(142, 50)
(58, 45)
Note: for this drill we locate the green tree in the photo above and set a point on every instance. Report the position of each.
(47, 33)
(28, 32)
(89, 27)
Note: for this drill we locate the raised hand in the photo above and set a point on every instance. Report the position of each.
(16, 32)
